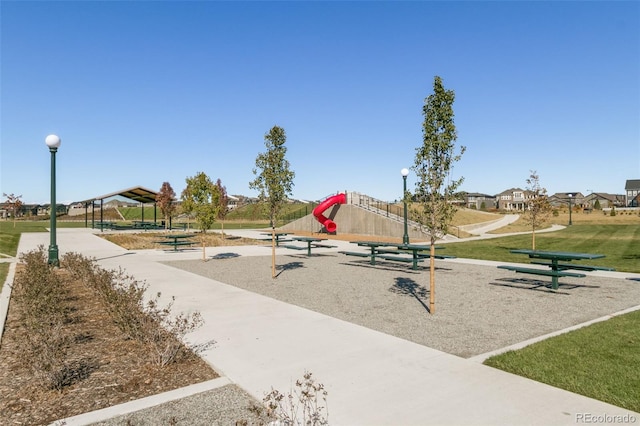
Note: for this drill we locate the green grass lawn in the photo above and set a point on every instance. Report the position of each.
(600, 361)
(619, 244)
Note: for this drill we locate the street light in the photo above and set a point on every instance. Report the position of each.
(53, 142)
(570, 196)
(405, 237)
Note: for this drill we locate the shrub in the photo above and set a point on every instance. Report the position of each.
(41, 294)
(146, 322)
(305, 405)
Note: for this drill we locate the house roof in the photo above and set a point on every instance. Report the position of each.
(632, 184)
(136, 193)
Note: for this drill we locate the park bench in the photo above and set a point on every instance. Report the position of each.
(292, 247)
(546, 272)
(355, 253)
(322, 245)
(565, 266)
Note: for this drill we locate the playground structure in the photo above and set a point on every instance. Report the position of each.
(328, 224)
(355, 213)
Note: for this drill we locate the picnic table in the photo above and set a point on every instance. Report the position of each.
(312, 242)
(177, 240)
(394, 251)
(280, 237)
(373, 246)
(138, 224)
(557, 261)
(105, 224)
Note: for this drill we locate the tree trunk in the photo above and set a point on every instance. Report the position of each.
(432, 279)
(273, 252)
(204, 256)
(533, 240)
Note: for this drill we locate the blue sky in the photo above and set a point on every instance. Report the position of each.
(146, 92)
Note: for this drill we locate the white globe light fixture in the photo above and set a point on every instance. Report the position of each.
(52, 141)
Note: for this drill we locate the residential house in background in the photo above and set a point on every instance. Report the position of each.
(514, 199)
(603, 199)
(632, 193)
(478, 201)
(563, 199)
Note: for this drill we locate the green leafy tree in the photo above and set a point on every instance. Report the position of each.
(274, 180)
(201, 198)
(434, 160)
(539, 208)
(166, 200)
(224, 204)
(14, 203)
(596, 205)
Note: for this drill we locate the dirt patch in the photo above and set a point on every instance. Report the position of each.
(110, 368)
(149, 240)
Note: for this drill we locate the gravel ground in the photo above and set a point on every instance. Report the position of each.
(479, 308)
(225, 406)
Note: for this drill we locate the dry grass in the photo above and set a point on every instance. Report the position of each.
(149, 240)
(577, 218)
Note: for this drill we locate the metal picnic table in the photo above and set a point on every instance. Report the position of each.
(553, 260)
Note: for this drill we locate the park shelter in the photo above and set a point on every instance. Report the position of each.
(139, 194)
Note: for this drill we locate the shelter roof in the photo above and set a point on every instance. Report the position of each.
(136, 193)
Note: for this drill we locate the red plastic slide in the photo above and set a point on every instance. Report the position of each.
(328, 224)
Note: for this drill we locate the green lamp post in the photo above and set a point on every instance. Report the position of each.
(570, 197)
(53, 142)
(405, 237)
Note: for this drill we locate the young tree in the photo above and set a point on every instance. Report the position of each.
(202, 199)
(166, 199)
(14, 203)
(435, 190)
(224, 205)
(539, 208)
(273, 180)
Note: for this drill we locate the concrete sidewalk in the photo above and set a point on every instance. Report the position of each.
(372, 378)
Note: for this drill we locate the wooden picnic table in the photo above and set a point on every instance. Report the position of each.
(176, 240)
(553, 260)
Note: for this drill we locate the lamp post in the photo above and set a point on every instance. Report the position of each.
(405, 237)
(570, 196)
(53, 142)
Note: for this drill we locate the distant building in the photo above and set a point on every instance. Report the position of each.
(632, 193)
(514, 199)
(560, 199)
(478, 201)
